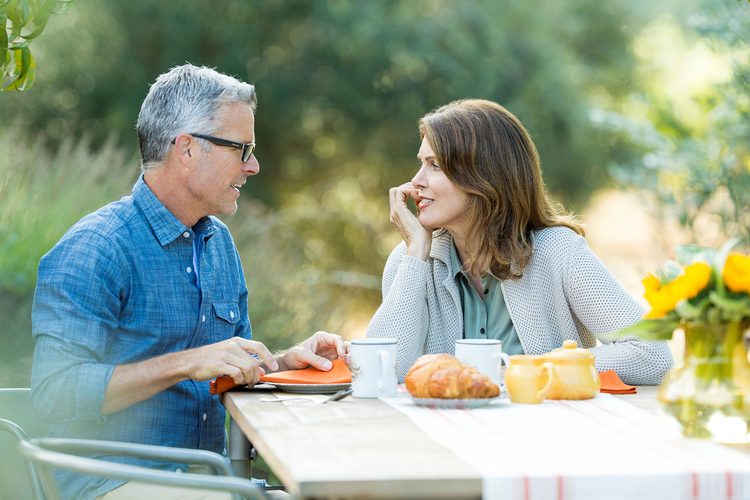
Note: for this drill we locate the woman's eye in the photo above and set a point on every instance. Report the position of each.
(434, 166)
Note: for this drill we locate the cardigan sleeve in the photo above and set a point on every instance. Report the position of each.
(403, 313)
(600, 303)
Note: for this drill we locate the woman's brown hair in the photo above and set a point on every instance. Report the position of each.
(486, 151)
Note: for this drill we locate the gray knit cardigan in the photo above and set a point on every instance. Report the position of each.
(566, 292)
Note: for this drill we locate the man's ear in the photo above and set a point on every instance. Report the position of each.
(185, 148)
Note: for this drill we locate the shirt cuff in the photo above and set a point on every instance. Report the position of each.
(93, 379)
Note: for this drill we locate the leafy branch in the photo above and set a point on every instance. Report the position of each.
(24, 20)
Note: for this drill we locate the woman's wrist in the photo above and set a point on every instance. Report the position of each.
(419, 249)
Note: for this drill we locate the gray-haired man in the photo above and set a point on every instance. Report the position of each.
(141, 303)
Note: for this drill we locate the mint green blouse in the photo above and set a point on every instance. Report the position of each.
(486, 316)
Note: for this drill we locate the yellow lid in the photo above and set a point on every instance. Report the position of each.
(571, 351)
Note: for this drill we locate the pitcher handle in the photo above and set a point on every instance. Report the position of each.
(551, 374)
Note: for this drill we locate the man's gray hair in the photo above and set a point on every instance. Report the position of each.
(185, 99)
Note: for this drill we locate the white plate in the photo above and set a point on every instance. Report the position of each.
(311, 388)
(458, 404)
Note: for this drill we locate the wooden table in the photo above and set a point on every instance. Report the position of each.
(357, 448)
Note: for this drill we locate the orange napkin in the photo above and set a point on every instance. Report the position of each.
(339, 374)
(220, 385)
(612, 384)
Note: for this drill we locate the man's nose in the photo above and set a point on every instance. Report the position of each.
(251, 167)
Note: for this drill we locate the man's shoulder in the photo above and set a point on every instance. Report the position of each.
(106, 222)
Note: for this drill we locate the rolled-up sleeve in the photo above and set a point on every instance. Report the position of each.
(76, 306)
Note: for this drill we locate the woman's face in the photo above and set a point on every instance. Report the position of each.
(440, 202)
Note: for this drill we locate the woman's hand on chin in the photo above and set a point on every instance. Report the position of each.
(418, 238)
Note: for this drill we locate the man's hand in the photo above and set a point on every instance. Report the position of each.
(315, 351)
(236, 357)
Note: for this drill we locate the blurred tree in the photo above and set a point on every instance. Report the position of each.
(23, 21)
(697, 151)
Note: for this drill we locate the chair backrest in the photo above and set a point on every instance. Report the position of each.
(45, 460)
(17, 480)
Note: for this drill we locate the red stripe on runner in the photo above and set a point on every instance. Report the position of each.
(730, 490)
(696, 486)
(526, 488)
(560, 488)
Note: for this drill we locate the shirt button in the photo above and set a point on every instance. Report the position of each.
(481, 330)
(203, 318)
(204, 417)
(186, 234)
(486, 291)
(231, 314)
(189, 269)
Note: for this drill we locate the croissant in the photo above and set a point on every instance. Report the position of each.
(443, 376)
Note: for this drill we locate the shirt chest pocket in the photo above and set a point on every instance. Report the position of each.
(226, 316)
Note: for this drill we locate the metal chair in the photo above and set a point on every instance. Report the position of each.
(46, 454)
(17, 479)
(35, 458)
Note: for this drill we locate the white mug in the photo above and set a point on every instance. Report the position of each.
(486, 355)
(373, 365)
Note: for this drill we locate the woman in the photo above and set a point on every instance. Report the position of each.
(490, 256)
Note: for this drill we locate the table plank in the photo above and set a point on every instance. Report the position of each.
(341, 458)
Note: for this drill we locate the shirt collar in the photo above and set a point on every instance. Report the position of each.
(454, 264)
(443, 248)
(165, 225)
(204, 227)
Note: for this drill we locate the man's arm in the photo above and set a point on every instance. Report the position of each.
(136, 382)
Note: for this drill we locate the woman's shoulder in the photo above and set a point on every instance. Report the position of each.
(555, 234)
(556, 241)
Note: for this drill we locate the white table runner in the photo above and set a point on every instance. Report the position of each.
(598, 449)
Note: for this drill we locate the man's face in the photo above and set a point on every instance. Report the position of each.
(216, 181)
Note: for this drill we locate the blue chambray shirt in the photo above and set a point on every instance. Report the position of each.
(120, 287)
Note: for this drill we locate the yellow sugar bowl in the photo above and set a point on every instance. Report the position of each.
(528, 378)
(576, 374)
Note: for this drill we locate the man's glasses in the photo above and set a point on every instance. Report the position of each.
(246, 148)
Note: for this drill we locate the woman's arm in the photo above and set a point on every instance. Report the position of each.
(600, 303)
(403, 314)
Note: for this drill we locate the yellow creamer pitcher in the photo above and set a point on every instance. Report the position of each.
(528, 378)
(576, 376)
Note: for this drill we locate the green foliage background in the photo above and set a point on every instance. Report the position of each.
(341, 85)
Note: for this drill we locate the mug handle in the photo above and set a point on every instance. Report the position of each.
(551, 374)
(385, 361)
(505, 359)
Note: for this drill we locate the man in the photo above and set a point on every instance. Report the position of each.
(143, 302)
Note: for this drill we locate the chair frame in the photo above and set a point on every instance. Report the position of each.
(46, 460)
(20, 435)
(43, 454)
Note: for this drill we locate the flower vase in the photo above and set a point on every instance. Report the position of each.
(708, 393)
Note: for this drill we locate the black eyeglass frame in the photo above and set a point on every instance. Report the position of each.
(246, 148)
